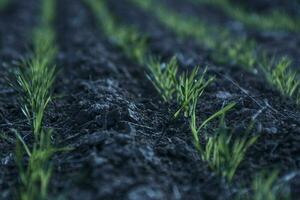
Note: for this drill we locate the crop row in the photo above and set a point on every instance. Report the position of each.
(274, 20)
(226, 49)
(33, 82)
(221, 151)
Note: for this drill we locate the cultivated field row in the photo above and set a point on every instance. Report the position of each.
(134, 100)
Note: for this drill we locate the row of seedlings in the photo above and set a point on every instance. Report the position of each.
(265, 185)
(274, 20)
(33, 82)
(222, 153)
(229, 50)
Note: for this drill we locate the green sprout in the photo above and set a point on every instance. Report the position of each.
(184, 26)
(189, 88)
(163, 77)
(125, 37)
(34, 81)
(266, 186)
(282, 77)
(239, 52)
(36, 174)
(196, 130)
(222, 153)
(274, 20)
(224, 49)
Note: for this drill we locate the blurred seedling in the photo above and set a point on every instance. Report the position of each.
(281, 76)
(163, 77)
(274, 20)
(239, 52)
(125, 37)
(266, 186)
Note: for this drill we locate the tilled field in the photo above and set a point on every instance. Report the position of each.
(122, 140)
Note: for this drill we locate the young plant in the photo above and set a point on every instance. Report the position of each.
(282, 77)
(163, 77)
(34, 80)
(239, 52)
(189, 88)
(225, 49)
(125, 37)
(36, 174)
(196, 130)
(184, 26)
(223, 153)
(274, 20)
(266, 186)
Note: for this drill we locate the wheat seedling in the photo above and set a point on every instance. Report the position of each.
(223, 153)
(266, 186)
(281, 77)
(163, 76)
(34, 80)
(189, 88)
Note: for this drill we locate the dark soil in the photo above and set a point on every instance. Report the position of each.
(111, 115)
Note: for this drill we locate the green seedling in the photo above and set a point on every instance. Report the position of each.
(266, 186)
(189, 88)
(224, 48)
(48, 13)
(163, 77)
(34, 80)
(125, 37)
(133, 45)
(239, 52)
(223, 153)
(184, 26)
(274, 20)
(284, 79)
(196, 130)
(36, 174)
